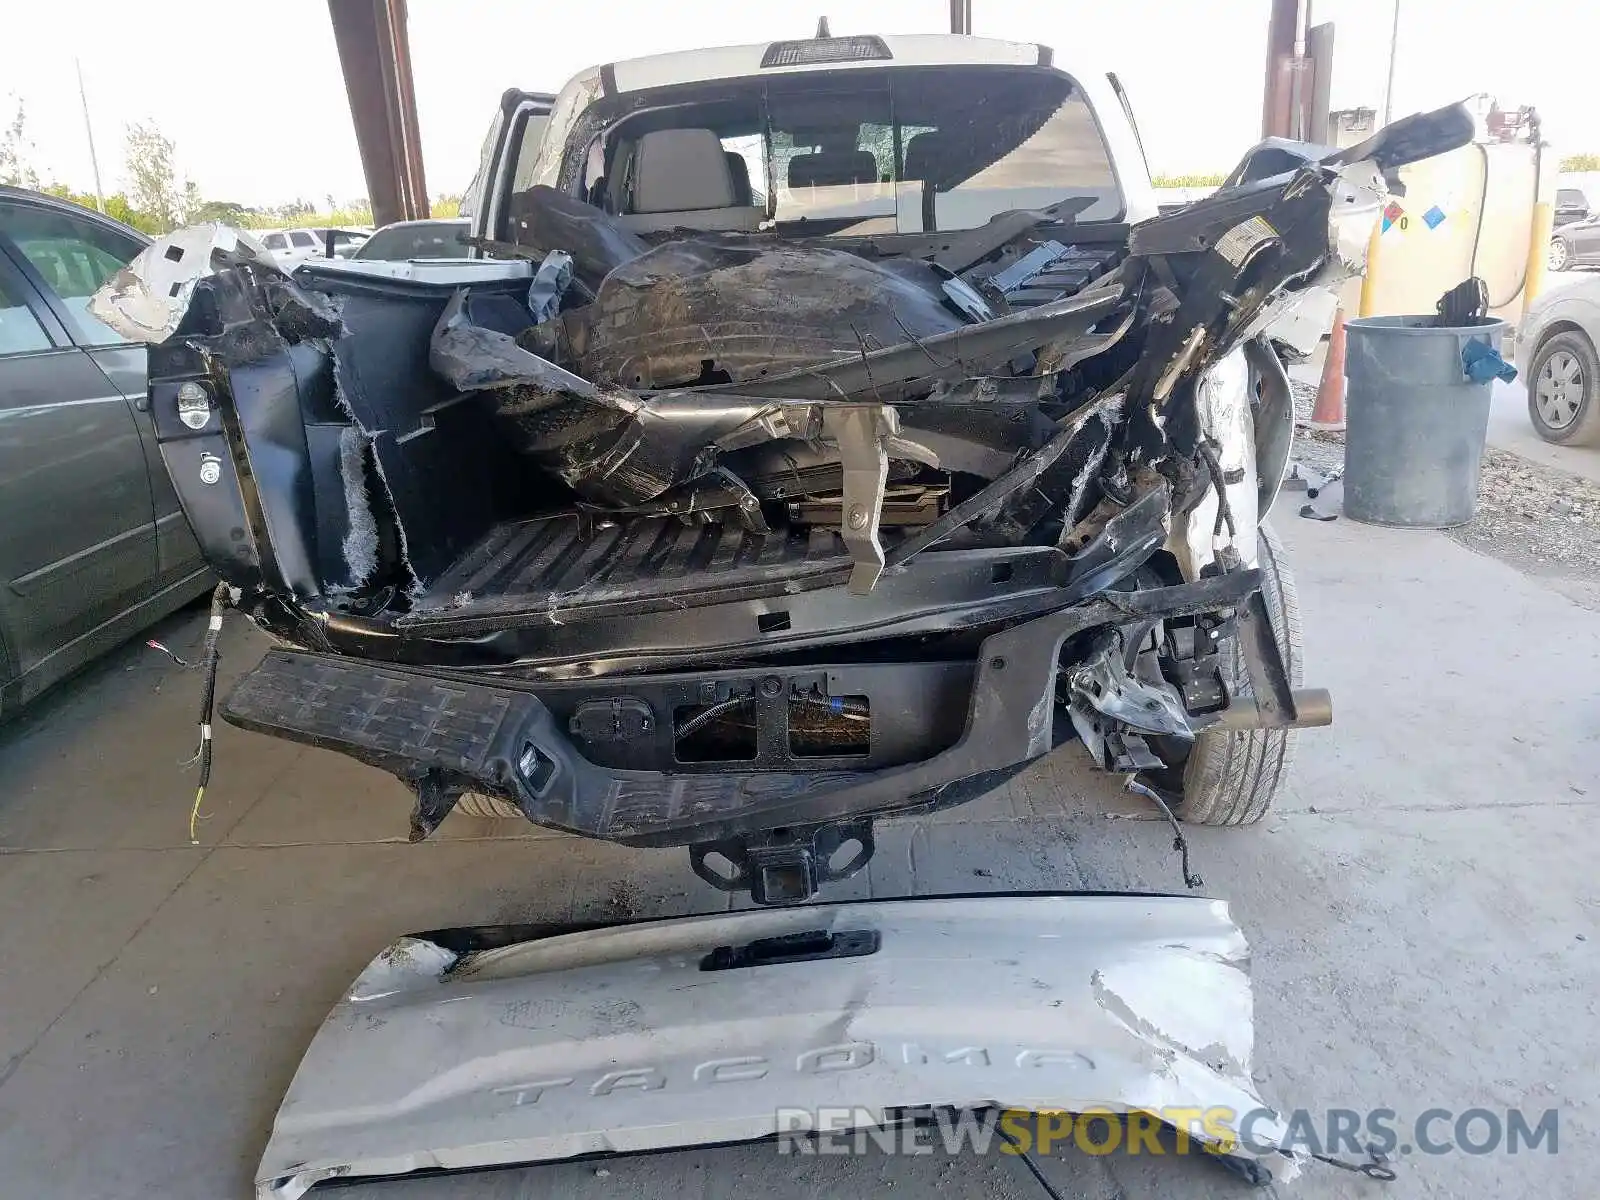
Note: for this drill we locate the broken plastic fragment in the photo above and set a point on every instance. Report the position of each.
(146, 299)
(550, 283)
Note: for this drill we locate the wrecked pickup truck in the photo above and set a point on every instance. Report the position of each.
(831, 430)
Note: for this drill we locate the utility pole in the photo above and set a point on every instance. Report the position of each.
(1394, 42)
(88, 129)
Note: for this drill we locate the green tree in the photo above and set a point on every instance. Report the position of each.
(225, 211)
(15, 149)
(117, 206)
(119, 209)
(1580, 162)
(153, 178)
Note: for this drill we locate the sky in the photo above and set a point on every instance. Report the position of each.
(252, 95)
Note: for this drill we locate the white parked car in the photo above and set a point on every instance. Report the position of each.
(290, 247)
(1555, 354)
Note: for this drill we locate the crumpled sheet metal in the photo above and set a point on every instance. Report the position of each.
(147, 298)
(622, 448)
(631, 448)
(904, 370)
(472, 357)
(616, 1040)
(750, 309)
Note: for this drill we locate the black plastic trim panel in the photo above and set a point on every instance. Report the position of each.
(505, 741)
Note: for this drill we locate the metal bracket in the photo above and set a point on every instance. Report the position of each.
(435, 799)
(1269, 679)
(861, 432)
(1101, 682)
(784, 866)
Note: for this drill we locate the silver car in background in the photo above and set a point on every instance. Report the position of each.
(1555, 353)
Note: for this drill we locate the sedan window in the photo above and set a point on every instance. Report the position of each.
(20, 331)
(302, 239)
(75, 256)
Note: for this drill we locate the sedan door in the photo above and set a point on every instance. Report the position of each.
(70, 256)
(77, 529)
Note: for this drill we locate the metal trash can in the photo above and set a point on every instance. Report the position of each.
(1414, 422)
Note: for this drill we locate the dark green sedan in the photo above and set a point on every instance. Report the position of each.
(93, 545)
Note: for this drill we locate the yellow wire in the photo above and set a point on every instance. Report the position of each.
(194, 814)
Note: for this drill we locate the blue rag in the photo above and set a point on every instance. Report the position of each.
(1482, 363)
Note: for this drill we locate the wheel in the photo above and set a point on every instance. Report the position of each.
(1564, 391)
(1559, 257)
(489, 808)
(1231, 777)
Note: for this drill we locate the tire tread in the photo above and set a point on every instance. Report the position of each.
(1233, 776)
(1585, 430)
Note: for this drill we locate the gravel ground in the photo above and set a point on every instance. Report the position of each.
(1542, 521)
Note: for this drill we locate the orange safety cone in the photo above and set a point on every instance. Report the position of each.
(1328, 412)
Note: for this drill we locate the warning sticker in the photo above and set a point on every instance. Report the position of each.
(1244, 239)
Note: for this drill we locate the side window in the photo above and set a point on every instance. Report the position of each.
(528, 151)
(915, 164)
(275, 241)
(75, 256)
(20, 331)
(878, 141)
(302, 239)
(747, 160)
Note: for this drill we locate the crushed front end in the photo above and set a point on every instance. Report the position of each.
(740, 542)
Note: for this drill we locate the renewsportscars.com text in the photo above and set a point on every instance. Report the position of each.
(1334, 1131)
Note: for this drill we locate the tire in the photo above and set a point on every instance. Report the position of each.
(488, 808)
(1233, 776)
(1559, 256)
(1564, 391)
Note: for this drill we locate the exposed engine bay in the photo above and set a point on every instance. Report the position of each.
(739, 539)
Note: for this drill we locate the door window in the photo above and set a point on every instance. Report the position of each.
(275, 241)
(532, 137)
(302, 240)
(20, 331)
(75, 256)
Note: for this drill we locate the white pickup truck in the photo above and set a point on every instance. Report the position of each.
(837, 430)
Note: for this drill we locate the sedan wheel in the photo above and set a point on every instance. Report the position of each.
(1558, 389)
(1560, 256)
(1564, 391)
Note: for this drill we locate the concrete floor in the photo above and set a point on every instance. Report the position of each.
(1423, 907)
(1510, 429)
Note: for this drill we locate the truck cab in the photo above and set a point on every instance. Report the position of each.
(836, 137)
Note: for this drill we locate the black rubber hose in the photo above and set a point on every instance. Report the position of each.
(208, 700)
